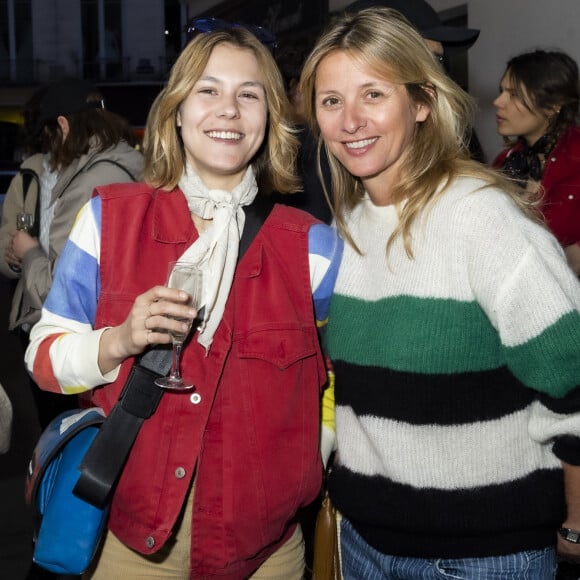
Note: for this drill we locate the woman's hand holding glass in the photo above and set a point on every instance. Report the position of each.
(155, 314)
(21, 241)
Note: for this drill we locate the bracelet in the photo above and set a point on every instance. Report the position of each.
(570, 535)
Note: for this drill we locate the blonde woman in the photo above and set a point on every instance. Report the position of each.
(454, 328)
(214, 482)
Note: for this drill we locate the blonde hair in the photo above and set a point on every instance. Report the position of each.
(383, 40)
(275, 161)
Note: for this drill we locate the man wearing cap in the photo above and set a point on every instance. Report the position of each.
(423, 17)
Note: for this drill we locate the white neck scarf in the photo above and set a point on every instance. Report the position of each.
(216, 249)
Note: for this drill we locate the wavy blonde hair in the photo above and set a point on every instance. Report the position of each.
(275, 161)
(383, 40)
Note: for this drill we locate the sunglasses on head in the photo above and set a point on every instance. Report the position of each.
(200, 25)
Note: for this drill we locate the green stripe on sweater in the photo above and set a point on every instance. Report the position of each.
(429, 335)
(441, 336)
(559, 345)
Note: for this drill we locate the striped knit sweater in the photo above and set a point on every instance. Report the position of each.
(457, 376)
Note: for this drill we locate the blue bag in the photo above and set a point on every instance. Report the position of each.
(68, 529)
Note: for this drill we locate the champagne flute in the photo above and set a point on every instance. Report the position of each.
(186, 277)
(24, 221)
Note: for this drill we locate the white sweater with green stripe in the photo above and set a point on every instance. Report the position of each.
(457, 379)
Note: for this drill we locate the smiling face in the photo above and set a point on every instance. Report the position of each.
(223, 119)
(514, 119)
(366, 121)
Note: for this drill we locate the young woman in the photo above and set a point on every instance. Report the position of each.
(216, 477)
(454, 328)
(536, 113)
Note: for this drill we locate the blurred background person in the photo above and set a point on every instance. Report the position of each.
(82, 145)
(22, 194)
(536, 113)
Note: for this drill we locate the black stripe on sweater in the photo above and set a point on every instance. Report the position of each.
(424, 399)
(428, 523)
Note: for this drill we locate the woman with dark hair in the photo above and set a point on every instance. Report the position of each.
(536, 113)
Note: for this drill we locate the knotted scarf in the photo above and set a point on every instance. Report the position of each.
(527, 162)
(216, 249)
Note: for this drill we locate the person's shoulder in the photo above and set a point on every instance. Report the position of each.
(570, 142)
(33, 163)
(504, 154)
(122, 159)
(293, 216)
(463, 187)
(124, 190)
(472, 199)
(123, 149)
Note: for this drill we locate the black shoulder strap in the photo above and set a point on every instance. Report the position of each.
(28, 176)
(256, 214)
(140, 398)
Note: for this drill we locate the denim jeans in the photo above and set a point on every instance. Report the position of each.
(362, 562)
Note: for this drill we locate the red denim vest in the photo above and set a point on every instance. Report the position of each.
(250, 432)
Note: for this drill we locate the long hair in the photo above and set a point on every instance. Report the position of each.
(96, 128)
(383, 40)
(546, 81)
(275, 161)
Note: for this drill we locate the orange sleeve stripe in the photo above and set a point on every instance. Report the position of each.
(42, 369)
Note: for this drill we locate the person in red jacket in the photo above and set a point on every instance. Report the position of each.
(215, 480)
(536, 113)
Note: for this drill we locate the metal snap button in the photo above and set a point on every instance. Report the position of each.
(150, 542)
(195, 398)
(180, 473)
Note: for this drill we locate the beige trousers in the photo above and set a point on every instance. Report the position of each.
(118, 562)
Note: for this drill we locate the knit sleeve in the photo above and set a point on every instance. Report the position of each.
(324, 254)
(522, 281)
(63, 350)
